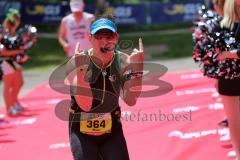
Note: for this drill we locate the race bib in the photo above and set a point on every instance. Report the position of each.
(95, 123)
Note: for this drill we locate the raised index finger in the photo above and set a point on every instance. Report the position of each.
(141, 45)
(78, 50)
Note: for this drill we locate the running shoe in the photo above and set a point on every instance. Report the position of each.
(19, 107)
(12, 111)
(223, 123)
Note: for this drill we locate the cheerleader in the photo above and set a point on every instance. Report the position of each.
(229, 89)
(12, 71)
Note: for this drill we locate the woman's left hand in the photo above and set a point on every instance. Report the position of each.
(137, 56)
(133, 86)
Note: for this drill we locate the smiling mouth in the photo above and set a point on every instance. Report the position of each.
(105, 49)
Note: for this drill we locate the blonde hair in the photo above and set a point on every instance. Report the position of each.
(231, 14)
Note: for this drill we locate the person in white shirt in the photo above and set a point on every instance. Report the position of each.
(74, 28)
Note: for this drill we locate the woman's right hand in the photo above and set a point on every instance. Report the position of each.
(66, 48)
(21, 50)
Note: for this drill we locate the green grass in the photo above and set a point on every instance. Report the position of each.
(152, 27)
(180, 45)
(48, 53)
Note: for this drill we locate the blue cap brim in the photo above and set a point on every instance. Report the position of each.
(102, 23)
(102, 27)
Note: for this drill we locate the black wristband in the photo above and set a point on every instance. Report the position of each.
(238, 53)
(131, 75)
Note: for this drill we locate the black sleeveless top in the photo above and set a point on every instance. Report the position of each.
(105, 87)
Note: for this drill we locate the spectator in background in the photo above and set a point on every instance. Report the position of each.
(74, 28)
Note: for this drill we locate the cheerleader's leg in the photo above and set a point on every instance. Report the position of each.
(8, 79)
(232, 110)
(18, 83)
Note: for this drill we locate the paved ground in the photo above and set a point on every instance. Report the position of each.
(33, 78)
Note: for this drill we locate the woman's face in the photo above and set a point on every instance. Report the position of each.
(217, 8)
(104, 41)
(237, 10)
(15, 24)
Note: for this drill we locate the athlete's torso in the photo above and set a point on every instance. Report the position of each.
(105, 86)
